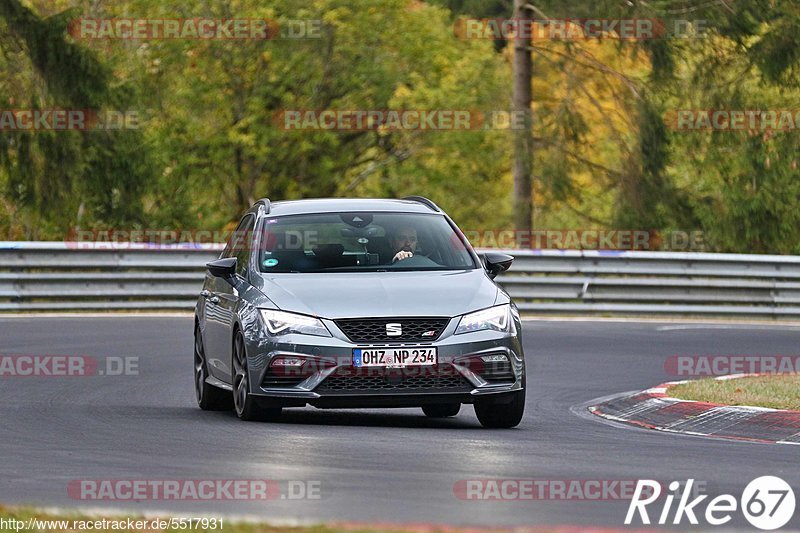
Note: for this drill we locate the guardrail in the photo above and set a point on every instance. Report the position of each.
(47, 276)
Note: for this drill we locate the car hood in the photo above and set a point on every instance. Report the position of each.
(372, 294)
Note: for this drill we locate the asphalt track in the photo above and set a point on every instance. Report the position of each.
(372, 465)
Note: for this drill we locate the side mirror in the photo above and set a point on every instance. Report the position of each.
(222, 268)
(497, 262)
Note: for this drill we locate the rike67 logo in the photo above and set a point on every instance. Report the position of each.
(767, 503)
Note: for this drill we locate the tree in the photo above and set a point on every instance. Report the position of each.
(53, 179)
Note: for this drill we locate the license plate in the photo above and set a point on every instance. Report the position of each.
(394, 357)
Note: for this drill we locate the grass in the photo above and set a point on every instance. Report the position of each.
(23, 514)
(775, 391)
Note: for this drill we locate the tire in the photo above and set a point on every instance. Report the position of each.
(441, 410)
(493, 414)
(246, 405)
(209, 397)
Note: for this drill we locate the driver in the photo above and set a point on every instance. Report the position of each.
(404, 240)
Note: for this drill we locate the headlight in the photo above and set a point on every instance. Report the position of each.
(496, 318)
(281, 323)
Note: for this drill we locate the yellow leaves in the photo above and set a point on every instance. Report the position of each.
(403, 92)
(238, 137)
(585, 111)
(336, 16)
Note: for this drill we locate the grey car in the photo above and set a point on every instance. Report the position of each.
(345, 303)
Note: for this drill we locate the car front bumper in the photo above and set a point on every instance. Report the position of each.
(459, 376)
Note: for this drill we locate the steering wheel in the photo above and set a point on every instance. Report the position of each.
(415, 261)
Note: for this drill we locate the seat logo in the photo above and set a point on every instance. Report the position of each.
(394, 329)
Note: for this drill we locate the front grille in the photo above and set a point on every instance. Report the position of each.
(361, 381)
(374, 329)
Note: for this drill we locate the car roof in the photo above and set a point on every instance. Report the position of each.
(335, 205)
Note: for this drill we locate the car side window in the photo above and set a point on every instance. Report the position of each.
(239, 244)
(243, 245)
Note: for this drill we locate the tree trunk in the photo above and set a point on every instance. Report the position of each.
(523, 140)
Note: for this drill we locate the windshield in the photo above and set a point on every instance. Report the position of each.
(361, 241)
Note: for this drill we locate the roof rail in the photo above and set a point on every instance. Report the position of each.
(424, 201)
(265, 202)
